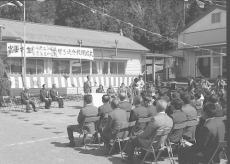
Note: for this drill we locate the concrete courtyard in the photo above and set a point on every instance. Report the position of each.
(41, 138)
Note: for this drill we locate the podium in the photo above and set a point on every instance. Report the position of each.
(97, 99)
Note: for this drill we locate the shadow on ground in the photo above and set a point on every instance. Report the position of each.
(91, 149)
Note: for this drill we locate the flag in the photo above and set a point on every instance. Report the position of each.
(200, 3)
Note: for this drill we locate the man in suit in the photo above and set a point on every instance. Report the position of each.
(207, 138)
(179, 120)
(87, 86)
(103, 111)
(45, 96)
(117, 119)
(124, 104)
(88, 111)
(191, 114)
(139, 111)
(25, 98)
(160, 122)
(55, 96)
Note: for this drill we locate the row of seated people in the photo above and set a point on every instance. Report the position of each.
(45, 96)
(119, 112)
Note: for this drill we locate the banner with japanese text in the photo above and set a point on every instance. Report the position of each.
(49, 51)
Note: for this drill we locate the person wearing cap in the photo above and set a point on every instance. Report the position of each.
(25, 98)
(207, 138)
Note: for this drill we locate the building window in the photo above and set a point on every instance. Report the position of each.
(94, 67)
(14, 65)
(76, 66)
(34, 66)
(61, 67)
(105, 67)
(85, 65)
(117, 67)
(216, 17)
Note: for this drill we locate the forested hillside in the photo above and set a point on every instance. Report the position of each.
(160, 16)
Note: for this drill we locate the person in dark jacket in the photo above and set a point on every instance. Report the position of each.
(25, 98)
(103, 111)
(139, 112)
(88, 111)
(116, 120)
(149, 105)
(100, 89)
(88, 86)
(45, 97)
(179, 120)
(124, 104)
(208, 137)
(55, 96)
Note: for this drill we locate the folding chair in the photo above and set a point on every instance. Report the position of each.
(122, 135)
(18, 105)
(141, 124)
(222, 146)
(7, 102)
(176, 136)
(84, 131)
(159, 142)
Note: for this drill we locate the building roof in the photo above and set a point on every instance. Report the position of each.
(62, 35)
(201, 16)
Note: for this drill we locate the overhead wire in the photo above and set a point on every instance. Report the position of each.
(145, 30)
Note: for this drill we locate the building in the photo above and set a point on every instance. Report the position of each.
(209, 32)
(65, 55)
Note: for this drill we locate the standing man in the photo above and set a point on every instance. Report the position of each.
(45, 96)
(87, 86)
(25, 98)
(55, 96)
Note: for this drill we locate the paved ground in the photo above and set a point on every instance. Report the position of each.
(40, 138)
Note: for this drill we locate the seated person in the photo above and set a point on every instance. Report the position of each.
(45, 96)
(111, 91)
(117, 118)
(103, 111)
(100, 89)
(191, 114)
(55, 96)
(160, 121)
(138, 112)
(87, 111)
(25, 98)
(122, 89)
(148, 101)
(124, 104)
(209, 135)
(179, 120)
